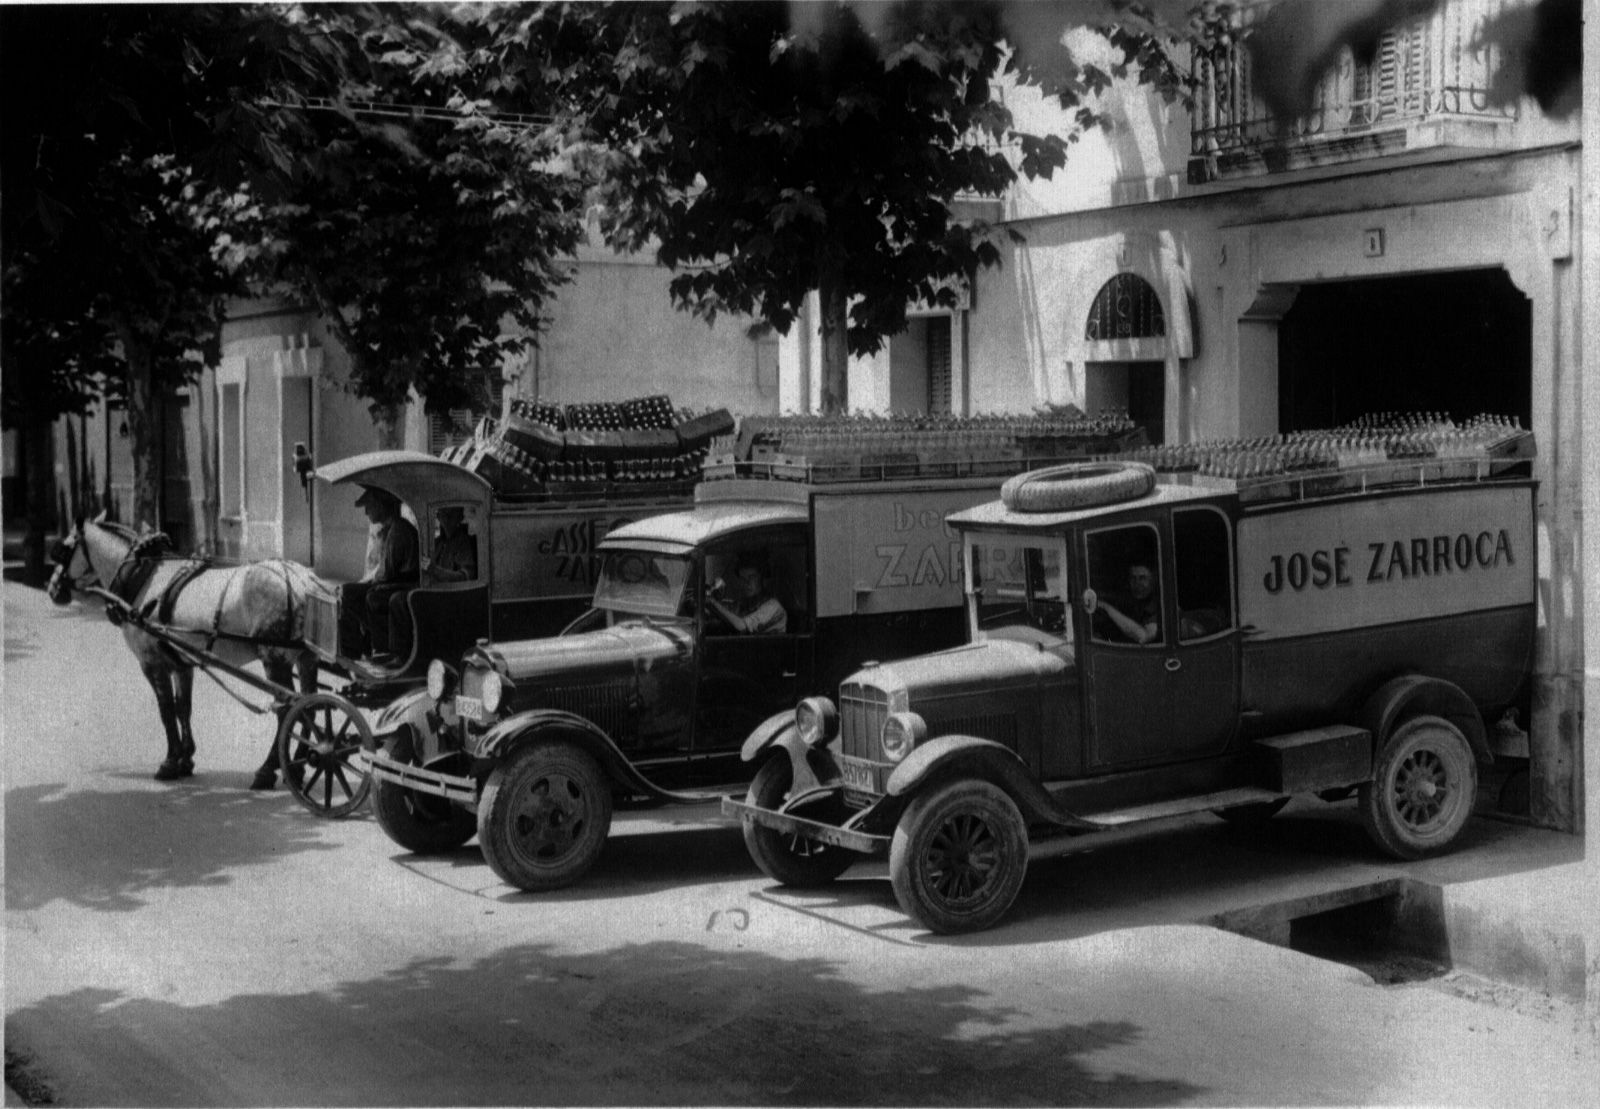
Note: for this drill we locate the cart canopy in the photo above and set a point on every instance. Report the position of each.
(413, 476)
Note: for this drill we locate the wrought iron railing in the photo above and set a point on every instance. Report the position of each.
(1431, 69)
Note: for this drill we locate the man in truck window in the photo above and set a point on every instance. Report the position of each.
(1141, 623)
(754, 609)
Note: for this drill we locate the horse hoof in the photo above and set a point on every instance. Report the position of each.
(170, 771)
(263, 780)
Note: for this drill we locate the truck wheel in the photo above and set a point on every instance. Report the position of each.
(1422, 790)
(420, 822)
(786, 858)
(543, 816)
(1074, 485)
(958, 857)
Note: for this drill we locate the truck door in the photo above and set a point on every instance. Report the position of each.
(1161, 656)
(748, 672)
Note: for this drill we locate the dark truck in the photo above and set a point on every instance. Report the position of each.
(529, 743)
(1341, 620)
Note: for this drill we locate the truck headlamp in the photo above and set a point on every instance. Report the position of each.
(441, 679)
(901, 732)
(816, 720)
(493, 692)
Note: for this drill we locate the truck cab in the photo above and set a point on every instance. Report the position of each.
(1199, 644)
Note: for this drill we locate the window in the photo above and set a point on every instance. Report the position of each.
(1125, 577)
(452, 428)
(1200, 541)
(1018, 590)
(1126, 307)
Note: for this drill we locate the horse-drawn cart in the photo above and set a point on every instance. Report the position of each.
(536, 562)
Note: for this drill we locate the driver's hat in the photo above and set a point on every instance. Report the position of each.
(373, 495)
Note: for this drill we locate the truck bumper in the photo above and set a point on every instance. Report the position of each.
(452, 787)
(832, 834)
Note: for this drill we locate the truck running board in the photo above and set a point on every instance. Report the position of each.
(1183, 806)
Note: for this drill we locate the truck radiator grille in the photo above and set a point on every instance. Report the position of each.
(862, 710)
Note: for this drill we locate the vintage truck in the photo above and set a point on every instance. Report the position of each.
(1339, 618)
(528, 744)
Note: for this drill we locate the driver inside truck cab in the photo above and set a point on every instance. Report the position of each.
(752, 608)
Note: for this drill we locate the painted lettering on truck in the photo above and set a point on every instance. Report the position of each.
(1333, 567)
(883, 552)
(568, 553)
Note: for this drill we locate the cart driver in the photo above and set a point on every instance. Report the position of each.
(455, 558)
(364, 605)
(753, 609)
(1141, 623)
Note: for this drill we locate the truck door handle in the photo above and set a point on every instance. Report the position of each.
(1174, 664)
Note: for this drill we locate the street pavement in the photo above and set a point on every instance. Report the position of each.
(195, 943)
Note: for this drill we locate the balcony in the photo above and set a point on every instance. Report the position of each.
(1426, 87)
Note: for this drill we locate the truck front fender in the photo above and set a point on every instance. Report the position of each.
(965, 756)
(768, 732)
(539, 725)
(1411, 694)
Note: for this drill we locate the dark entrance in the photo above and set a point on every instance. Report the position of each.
(1455, 343)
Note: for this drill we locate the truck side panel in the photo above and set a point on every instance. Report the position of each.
(889, 551)
(1338, 597)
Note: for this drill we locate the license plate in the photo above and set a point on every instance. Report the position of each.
(859, 775)
(469, 708)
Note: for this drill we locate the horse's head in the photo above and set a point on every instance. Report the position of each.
(72, 566)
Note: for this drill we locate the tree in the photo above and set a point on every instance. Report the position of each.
(127, 153)
(770, 150)
(419, 236)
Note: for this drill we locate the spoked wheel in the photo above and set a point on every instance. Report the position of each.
(959, 856)
(1422, 790)
(785, 857)
(317, 745)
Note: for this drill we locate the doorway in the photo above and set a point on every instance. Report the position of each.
(1455, 343)
(1137, 388)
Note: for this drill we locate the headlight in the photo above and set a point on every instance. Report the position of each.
(494, 691)
(440, 679)
(901, 732)
(816, 720)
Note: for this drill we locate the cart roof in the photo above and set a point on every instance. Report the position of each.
(682, 531)
(413, 476)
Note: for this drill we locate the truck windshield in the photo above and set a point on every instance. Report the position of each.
(641, 583)
(1018, 589)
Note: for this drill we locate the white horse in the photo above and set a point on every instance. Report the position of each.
(238, 614)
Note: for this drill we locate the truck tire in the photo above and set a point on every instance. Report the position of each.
(420, 822)
(544, 815)
(1074, 485)
(958, 858)
(1423, 788)
(786, 858)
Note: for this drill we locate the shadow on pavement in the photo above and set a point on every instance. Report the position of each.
(107, 850)
(661, 1023)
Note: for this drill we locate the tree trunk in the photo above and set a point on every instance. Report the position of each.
(835, 351)
(143, 434)
(389, 419)
(38, 445)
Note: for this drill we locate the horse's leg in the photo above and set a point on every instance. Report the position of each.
(182, 706)
(171, 767)
(280, 671)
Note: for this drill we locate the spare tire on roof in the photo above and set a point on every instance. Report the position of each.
(1075, 485)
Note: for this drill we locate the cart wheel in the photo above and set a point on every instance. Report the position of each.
(317, 745)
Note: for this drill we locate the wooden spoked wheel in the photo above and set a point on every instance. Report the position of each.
(318, 743)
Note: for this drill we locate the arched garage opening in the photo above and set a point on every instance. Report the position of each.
(1457, 343)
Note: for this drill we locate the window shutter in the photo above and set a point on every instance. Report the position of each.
(939, 390)
(452, 428)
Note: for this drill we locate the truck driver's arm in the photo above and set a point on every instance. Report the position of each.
(1139, 633)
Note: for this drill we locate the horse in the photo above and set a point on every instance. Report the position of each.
(253, 612)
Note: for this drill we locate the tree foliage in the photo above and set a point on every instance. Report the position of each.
(769, 150)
